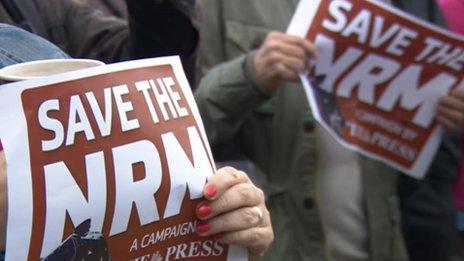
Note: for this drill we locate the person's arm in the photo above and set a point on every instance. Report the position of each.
(155, 28)
(226, 96)
(85, 32)
(230, 91)
(227, 92)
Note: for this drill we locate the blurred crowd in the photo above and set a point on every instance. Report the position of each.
(325, 201)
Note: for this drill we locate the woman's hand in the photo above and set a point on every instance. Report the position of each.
(234, 211)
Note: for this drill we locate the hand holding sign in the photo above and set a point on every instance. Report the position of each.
(230, 212)
(450, 111)
(379, 77)
(281, 58)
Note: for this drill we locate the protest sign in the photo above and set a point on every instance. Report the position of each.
(107, 163)
(378, 77)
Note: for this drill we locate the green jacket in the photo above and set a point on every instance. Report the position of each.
(277, 132)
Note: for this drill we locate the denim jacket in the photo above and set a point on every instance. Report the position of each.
(17, 46)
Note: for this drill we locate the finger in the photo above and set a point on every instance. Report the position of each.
(239, 196)
(452, 102)
(447, 124)
(285, 74)
(309, 48)
(222, 180)
(458, 93)
(295, 64)
(452, 115)
(240, 219)
(287, 49)
(257, 239)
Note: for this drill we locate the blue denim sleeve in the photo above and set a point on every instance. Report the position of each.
(18, 45)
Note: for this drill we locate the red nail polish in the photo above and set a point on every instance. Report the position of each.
(202, 226)
(218, 236)
(211, 191)
(203, 209)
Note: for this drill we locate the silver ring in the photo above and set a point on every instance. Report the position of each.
(259, 213)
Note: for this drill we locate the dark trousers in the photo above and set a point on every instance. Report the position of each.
(428, 219)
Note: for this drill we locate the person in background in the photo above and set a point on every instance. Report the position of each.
(233, 208)
(118, 9)
(251, 101)
(428, 215)
(153, 28)
(115, 8)
(453, 11)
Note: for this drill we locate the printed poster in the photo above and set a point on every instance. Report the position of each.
(107, 163)
(378, 77)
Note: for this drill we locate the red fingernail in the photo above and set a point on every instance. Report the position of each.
(211, 191)
(202, 226)
(218, 236)
(203, 209)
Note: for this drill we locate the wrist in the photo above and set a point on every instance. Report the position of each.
(265, 83)
(251, 76)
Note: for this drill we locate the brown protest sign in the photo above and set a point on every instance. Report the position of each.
(378, 77)
(107, 163)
